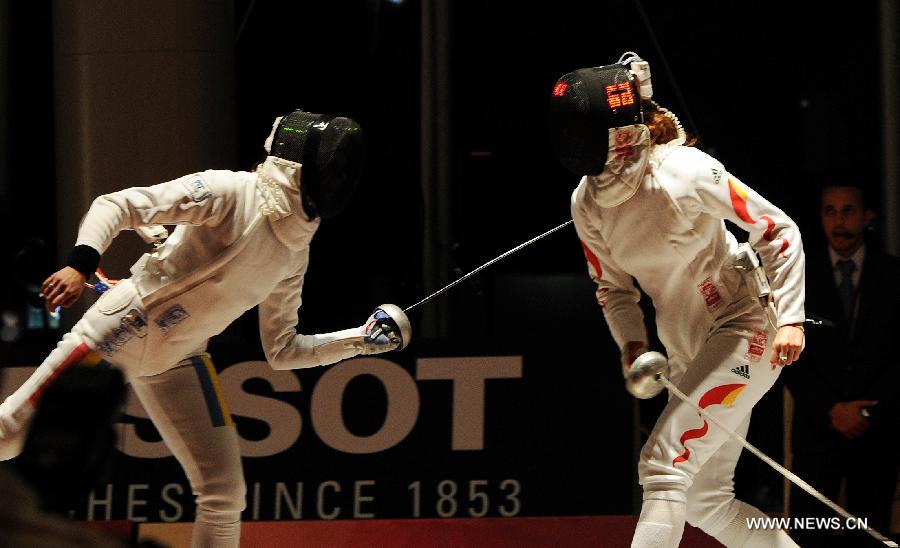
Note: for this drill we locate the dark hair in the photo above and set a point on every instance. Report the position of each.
(838, 183)
(662, 127)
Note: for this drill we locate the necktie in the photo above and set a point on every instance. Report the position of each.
(845, 288)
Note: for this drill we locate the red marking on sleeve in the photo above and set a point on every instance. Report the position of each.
(595, 262)
(768, 234)
(690, 435)
(739, 202)
(601, 296)
(769, 228)
(74, 357)
(784, 245)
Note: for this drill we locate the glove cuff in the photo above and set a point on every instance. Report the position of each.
(84, 259)
(631, 353)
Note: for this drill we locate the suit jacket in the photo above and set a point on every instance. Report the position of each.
(843, 364)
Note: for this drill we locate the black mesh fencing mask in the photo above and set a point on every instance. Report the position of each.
(584, 105)
(331, 151)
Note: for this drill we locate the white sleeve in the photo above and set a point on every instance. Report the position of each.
(773, 234)
(616, 293)
(284, 347)
(196, 199)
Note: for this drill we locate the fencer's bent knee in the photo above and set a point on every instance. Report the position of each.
(710, 515)
(656, 476)
(709, 511)
(224, 497)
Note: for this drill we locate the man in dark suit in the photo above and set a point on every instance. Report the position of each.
(845, 386)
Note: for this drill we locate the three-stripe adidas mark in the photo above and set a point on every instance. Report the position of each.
(743, 371)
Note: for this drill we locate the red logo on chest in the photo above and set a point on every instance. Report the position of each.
(710, 294)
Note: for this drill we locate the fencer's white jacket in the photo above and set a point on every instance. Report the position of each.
(242, 239)
(670, 236)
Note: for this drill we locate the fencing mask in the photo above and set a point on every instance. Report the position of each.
(330, 148)
(586, 104)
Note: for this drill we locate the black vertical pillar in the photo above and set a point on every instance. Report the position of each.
(890, 57)
(436, 162)
(5, 142)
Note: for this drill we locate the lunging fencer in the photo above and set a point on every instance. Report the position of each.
(650, 208)
(242, 239)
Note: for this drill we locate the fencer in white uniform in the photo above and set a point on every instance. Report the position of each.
(653, 210)
(242, 239)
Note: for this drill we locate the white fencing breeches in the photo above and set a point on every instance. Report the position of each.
(687, 465)
(187, 408)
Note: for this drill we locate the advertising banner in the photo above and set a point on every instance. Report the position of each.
(444, 429)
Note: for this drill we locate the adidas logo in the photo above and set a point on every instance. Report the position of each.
(743, 371)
